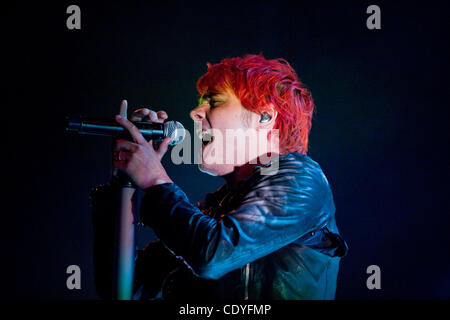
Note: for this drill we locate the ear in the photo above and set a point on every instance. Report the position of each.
(267, 128)
(268, 118)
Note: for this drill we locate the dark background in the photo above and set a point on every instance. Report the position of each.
(379, 132)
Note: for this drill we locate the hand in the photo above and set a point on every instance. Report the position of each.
(139, 159)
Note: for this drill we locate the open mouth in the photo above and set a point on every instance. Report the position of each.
(206, 138)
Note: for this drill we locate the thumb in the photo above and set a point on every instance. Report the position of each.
(123, 109)
(163, 147)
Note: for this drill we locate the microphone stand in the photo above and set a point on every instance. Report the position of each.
(124, 250)
(124, 243)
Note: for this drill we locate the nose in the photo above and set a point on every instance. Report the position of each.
(199, 113)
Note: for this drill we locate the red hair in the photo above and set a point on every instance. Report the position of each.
(259, 83)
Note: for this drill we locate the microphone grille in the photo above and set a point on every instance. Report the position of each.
(175, 131)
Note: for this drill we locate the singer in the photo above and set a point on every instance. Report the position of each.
(268, 233)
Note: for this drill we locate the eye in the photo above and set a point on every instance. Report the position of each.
(214, 103)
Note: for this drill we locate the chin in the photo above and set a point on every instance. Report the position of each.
(216, 169)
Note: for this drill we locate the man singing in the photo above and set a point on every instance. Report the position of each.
(269, 232)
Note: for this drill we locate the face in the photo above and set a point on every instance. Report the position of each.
(228, 130)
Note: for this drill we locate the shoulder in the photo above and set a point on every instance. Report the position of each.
(292, 169)
(298, 182)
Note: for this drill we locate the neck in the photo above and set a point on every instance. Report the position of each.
(240, 173)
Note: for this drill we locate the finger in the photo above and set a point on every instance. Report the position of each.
(121, 165)
(123, 109)
(114, 171)
(124, 145)
(132, 129)
(162, 115)
(163, 147)
(122, 156)
(139, 114)
(153, 116)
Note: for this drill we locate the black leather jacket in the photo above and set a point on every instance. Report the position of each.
(272, 237)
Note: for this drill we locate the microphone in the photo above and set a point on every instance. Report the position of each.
(149, 130)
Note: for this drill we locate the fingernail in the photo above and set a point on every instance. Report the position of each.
(118, 116)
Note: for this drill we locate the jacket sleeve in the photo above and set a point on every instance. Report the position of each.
(152, 264)
(276, 211)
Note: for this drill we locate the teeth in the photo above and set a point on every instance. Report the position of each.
(206, 136)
